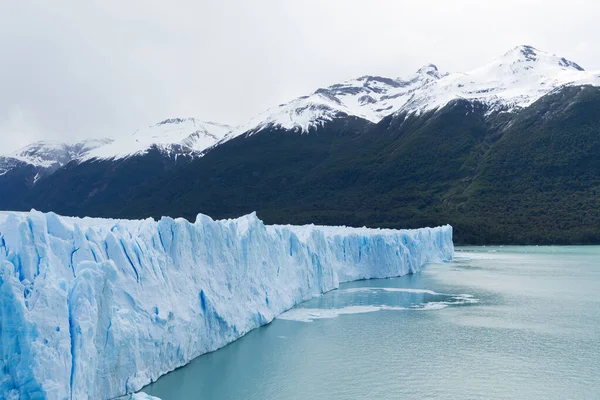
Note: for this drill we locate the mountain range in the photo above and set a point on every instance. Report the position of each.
(506, 153)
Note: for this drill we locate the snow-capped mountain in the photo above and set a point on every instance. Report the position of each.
(515, 80)
(175, 136)
(172, 136)
(49, 155)
(367, 97)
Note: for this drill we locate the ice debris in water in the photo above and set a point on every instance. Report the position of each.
(143, 396)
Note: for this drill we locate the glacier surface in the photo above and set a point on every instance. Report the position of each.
(97, 308)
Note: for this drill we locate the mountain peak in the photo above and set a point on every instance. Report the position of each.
(175, 121)
(430, 70)
(532, 55)
(525, 51)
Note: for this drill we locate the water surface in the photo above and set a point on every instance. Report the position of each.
(497, 323)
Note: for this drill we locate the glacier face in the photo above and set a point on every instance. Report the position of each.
(96, 308)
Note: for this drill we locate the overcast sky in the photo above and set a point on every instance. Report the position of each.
(85, 68)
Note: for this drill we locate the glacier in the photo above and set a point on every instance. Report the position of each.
(96, 308)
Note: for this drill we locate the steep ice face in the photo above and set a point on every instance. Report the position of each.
(515, 80)
(96, 308)
(171, 136)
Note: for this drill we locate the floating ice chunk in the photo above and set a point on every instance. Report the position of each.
(434, 305)
(301, 314)
(310, 314)
(388, 289)
(143, 396)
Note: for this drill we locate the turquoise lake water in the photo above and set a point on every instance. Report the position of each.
(496, 323)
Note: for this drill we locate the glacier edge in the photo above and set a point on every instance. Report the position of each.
(97, 308)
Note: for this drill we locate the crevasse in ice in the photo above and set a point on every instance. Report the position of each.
(97, 308)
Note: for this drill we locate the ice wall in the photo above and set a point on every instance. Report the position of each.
(96, 308)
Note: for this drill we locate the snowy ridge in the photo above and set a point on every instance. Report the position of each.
(513, 81)
(172, 136)
(49, 154)
(368, 97)
(96, 308)
(516, 80)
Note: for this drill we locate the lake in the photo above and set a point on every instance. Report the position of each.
(496, 323)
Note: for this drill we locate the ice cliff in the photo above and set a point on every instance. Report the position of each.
(96, 308)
